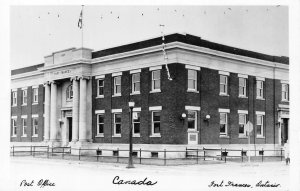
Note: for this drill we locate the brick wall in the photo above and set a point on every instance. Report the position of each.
(28, 110)
(174, 97)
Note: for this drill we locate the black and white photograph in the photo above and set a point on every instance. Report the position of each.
(167, 96)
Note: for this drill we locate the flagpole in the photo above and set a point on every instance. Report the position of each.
(82, 27)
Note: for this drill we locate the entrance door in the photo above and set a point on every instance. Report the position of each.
(193, 138)
(70, 128)
(285, 130)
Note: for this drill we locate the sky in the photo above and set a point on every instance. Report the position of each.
(37, 31)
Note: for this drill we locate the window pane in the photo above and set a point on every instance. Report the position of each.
(192, 74)
(118, 80)
(156, 127)
(118, 118)
(101, 82)
(100, 118)
(156, 74)
(222, 118)
(222, 128)
(223, 79)
(35, 122)
(138, 117)
(101, 127)
(241, 91)
(242, 118)
(191, 84)
(260, 84)
(101, 91)
(258, 130)
(259, 120)
(136, 77)
(191, 124)
(241, 129)
(118, 89)
(118, 128)
(156, 84)
(242, 82)
(156, 116)
(136, 128)
(223, 88)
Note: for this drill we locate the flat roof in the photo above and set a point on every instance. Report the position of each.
(176, 37)
(192, 40)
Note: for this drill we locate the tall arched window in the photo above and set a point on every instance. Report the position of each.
(69, 93)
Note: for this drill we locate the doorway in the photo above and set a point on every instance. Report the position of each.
(285, 130)
(69, 120)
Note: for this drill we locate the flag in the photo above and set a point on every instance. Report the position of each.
(80, 20)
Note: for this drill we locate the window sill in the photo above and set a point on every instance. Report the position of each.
(34, 135)
(24, 136)
(223, 94)
(116, 95)
(35, 103)
(135, 93)
(14, 136)
(192, 91)
(260, 137)
(224, 136)
(100, 135)
(100, 96)
(24, 105)
(241, 96)
(155, 135)
(155, 91)
(259, 98)
(136, 135)
(116, 135)
(14, 106)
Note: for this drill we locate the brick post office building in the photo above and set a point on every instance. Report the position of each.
(202, 95)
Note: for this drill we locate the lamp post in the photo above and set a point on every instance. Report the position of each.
(130, 163)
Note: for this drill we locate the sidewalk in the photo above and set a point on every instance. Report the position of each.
(83, 175)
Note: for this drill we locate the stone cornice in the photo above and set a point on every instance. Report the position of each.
(27, 74)
(71, 63)
(193, 48)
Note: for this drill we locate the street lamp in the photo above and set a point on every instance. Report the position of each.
(130, 163)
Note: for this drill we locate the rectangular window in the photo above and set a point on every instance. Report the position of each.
(14, 127)
(35, 94)
(100, 87)
(259, 89)
(100, 124)
(242, 87)
(117, 124)
(117, 85)
(223, 123)
(24, 100)
(156, 122)
(223, 85)
(156, 80)
(259, 125)
(35, 127)
(24, 126)
(14, 98)
(135, 79)
(192, 120)
(192, 80)
(285, 92)
(136, 120)
(242, 123)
